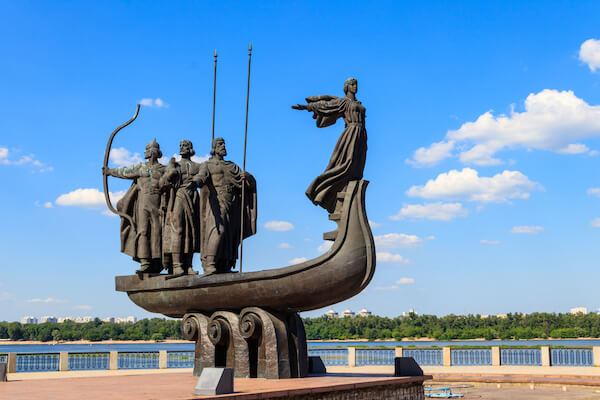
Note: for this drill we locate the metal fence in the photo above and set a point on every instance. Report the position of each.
(571, 357)
(331, 356)
(180, 359)
(425, 356)
(88, 361)
(37, 362)
(471, 356)
(139, 360)
(375, 356)
(517, 356)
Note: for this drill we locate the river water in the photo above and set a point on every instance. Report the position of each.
(132, 347)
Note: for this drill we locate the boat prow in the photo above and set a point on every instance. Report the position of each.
(344, 271)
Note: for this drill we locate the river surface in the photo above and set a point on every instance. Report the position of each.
(125, 347)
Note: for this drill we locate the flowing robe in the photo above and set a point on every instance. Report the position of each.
(349, 155)
(221, 213)
(181, 230)
(143, 202)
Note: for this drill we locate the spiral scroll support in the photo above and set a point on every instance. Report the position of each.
(256, 343)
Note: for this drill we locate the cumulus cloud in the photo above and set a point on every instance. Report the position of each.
(527, 230)
(405, 281)
(48, 204)
(467, 185)
(594, 192)
(589, 53)
(87, 198)
(595, 222)
(279, 226)
(297, 260)
(553, 121)
(389, 257)
(154, 103)
(122, 156)
(177, 157)
(430, 156)
(433, 211)
(48, 300)
(285, 246)
(492, 242)
(7, 159)
(396, 240)
(325, 246)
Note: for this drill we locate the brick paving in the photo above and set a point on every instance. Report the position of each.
(179, 386)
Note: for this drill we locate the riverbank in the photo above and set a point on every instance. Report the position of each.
(53, 342)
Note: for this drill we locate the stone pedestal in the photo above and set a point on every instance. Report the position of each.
(256, 343)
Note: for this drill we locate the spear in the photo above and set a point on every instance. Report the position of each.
(244, 165)
(214, 98)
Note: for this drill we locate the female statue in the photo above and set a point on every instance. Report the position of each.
(349, 155)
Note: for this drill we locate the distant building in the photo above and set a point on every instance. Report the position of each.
(109, 319)
(49, 319)
(484, 316)
(29, 320)
(332, 314)
(579, 310)
(64, 319)
(503, 316)
(410, 311)
(83, 320)
(364, 313)
(348, 313)
(131, 319)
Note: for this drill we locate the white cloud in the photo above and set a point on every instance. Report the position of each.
(87, 198)
(285, 246)
(48, 300)
(595, 223)
(374, 224)
(589, 53)
(594, 192)
(5, 159)
(83, 307)
(467, 185)
(433, 211)
(325, 246)
(48, 204)
(297, 260)
(436, 152)
(395, 240)
(279, 226)
(405, 281)
(389, 257)
(122, 156)
(492, 242)
(527, 230)
(177, 157)
(553, 120)
(155, 103)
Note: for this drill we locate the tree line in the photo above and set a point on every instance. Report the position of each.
(449, 327)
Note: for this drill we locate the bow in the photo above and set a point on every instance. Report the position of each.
(105, 165)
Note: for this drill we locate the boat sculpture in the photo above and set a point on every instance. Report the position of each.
(226, 314)
(249, 321)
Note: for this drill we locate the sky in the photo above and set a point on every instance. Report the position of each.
(483, 123)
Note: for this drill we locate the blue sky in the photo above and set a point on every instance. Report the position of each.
(483, 121)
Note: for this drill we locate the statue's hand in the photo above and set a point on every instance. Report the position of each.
(106, 171)
(300, 106)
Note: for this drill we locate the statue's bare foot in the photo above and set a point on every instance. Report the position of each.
(190, 271)
(144, 269)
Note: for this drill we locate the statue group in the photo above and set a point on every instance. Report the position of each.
(246, 321)
(183, 208)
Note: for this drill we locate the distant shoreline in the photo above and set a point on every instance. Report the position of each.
(181, 341)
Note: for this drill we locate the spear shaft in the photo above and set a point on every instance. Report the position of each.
(244, 165)
(214, 98)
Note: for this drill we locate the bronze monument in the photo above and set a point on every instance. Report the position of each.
(249, 321)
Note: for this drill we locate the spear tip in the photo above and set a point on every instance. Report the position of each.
(250, 47)
(215, 53)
